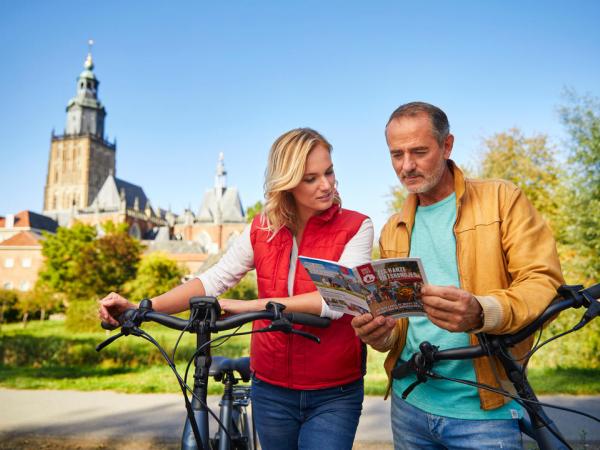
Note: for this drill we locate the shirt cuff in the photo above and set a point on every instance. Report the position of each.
(492, 313)
(326, 311)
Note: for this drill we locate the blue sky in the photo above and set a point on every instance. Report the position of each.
(182, 81)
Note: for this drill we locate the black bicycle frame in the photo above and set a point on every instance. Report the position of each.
(201, 307)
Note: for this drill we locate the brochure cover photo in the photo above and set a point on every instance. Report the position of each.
(389, 287)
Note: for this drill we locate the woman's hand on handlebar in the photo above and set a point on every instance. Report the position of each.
(112, 306)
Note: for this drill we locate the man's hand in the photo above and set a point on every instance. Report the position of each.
(374, 331)
(451, 308)
(112, 306)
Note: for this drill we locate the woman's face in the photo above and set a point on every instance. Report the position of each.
(316, 190)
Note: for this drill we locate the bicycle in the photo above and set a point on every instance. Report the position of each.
(539, 426)
(236, 428)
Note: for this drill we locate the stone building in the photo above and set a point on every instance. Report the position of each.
(82, 186)
(21, 248)
(81, 183)
(221, 217)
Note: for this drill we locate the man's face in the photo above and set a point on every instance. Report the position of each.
(417, 158)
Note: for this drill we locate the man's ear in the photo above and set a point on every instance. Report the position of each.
(448, 144)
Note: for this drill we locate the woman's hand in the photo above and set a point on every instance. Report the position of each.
(112, 306)
(230, 306)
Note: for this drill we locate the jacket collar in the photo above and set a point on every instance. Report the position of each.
(328, 214)
(409, 208)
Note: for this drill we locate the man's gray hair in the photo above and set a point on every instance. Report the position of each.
(439, 121)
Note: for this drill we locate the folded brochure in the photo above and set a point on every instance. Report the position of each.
(388, 287)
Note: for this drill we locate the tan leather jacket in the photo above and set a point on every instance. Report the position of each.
(506, 257)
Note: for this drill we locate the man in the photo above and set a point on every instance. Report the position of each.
(492, 264)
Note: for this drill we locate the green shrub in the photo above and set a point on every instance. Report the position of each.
(42, 346)
(579, 349)
(82, 316)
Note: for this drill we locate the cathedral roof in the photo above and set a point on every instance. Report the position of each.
(221, 207)
(113, 190)
(132, 191)
(221, 204)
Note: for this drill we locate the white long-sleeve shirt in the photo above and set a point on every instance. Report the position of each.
(239, 259)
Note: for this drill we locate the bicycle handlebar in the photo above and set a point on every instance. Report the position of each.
(144, 313)
(228, 323)
(571, 297)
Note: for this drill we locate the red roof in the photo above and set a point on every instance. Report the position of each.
(30, 219)
(23, 238)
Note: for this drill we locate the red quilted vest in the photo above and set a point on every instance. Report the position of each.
(292, 361)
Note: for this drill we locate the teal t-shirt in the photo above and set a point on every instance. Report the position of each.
(433, 241)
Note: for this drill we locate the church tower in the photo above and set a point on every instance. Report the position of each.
(81, 159)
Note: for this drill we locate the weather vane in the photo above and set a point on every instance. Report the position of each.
(90, 44)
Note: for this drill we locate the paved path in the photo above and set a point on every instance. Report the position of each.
(161, 416)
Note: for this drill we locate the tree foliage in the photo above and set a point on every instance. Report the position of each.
(397, 196)
(62, 253)
(253, 210)
(110, 262)
(531, 164)
(83, 266)
(156, 274)
(581, 117)
(8, 301)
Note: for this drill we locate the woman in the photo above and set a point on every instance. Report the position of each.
(303, 394)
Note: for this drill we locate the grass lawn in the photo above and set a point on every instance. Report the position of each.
(46, 356)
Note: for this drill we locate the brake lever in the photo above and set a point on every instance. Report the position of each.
(310, 336)
(109, 341)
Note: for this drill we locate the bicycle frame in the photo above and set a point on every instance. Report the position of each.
(203, 320)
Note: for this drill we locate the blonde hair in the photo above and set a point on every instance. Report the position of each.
(285, 169)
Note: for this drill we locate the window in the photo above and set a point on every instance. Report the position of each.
(24, 285)
(7, 285)
(26, 262)
(9, 262)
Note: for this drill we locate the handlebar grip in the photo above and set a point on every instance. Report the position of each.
(308, 319)
(108, 326)
(594, 291)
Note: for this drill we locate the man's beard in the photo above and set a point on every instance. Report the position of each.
(429, 181)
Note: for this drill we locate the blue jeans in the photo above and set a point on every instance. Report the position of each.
(306, 419)
(415, 429)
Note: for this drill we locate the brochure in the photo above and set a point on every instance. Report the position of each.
(388, 287)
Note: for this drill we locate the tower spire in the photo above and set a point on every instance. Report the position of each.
(221, 176)
(89, 62)
(85, 113)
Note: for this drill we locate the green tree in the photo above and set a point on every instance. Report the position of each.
(581, 117)
(110, 262)
(62, 252)
(83, 266)
(156, 274)
(397, 196)
(531, 164)
(8, 300)
(26, 304)
(253, 210)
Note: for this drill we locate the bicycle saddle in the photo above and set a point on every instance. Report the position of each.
(220, 365)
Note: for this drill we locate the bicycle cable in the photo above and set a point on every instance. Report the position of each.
(515, 397)
(190, 321)
(182, 385)
(229, 336)
(226, 336)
